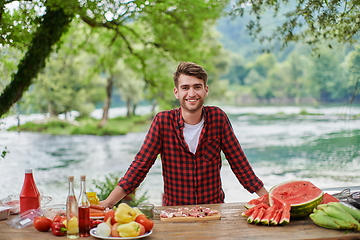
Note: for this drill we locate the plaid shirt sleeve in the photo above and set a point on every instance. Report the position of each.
(143, 160)
(237, 159)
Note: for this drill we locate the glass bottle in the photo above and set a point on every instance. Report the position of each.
(84, 210)
(29, 195)
(72, 212)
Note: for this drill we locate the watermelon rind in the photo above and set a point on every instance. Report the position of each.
(302, 209)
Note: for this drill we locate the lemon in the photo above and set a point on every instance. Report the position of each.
(73, 226)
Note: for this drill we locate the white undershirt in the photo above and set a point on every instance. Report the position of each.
(192, 134)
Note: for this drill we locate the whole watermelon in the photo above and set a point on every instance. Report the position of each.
(303, 197)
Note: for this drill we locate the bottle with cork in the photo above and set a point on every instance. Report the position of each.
(84, 210)
(72, 214)
(29, 195)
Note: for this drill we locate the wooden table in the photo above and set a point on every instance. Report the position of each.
(231, 226)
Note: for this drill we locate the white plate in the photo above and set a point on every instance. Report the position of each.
(93, 233)
(97, 217)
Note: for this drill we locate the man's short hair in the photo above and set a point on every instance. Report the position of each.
(190, 69)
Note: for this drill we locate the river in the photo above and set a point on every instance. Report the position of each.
(281, 145)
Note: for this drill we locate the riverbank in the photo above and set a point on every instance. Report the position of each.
(86, 126)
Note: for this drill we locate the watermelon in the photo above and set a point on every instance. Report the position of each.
(257, 201)
(248, 212)
(259, 215)
(268, 214)
(285, 207)
(274, 219)
(253, 215)
(302, 196)
(329, 198)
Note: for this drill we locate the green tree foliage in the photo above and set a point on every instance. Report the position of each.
(53, 24)
(351, 65)
(175, 27)
(312, 22)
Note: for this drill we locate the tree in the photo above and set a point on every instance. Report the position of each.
(351, 64)
(313, 22)
(325, 76)
(53, 24)
(175, 26)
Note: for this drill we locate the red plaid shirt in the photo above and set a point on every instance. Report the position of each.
(191, 178)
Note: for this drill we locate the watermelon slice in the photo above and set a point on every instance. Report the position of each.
(285, 216)
(259, 215)
(274, 220)
(257, 201)
(302, 196)
(329, 198)
(248, 212)
(268, 214)
(253, 215)
(285, 208)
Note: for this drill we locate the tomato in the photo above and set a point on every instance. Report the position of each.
(110, 213)
(42, 223)
(94, 223)
(59, 218)
(142, 229)
(147, 223)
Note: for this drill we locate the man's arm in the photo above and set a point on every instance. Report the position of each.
(116, 195)
(261, 192)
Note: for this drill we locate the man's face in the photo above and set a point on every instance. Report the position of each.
(191, 93)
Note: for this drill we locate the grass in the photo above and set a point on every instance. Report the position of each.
(87, 126)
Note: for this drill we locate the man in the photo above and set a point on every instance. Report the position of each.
(189, 140)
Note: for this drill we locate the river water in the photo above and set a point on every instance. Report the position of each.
(280, 144)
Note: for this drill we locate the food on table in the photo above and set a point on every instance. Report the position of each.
(278, 214)
(58, 228)
(144, 221)
(114, 231)
(335, 215)
(257, 201)
(327, 198)
(196, 213)
(93, 198)
(131, 229)
(95, 222)
(103, 230)
(96, 211)
(42, 223)
(124, 213)
(302, 196)
(60, 218)
(291, 199)
(110, 214)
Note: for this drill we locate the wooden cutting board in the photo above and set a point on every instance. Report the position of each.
(192, 219)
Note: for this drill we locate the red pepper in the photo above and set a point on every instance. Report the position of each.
(94, 223)
(58, 229)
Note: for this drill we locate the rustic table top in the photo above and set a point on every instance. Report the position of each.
(231, 226)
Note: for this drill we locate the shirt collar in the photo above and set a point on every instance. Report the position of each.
(180, 120)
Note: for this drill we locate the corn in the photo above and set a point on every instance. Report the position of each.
(324, 221)
(338, 213)
(354, 212)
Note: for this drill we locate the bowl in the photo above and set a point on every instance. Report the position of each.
(4, 212)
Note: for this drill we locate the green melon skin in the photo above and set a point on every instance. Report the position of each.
(300, 210)
(304, 210)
